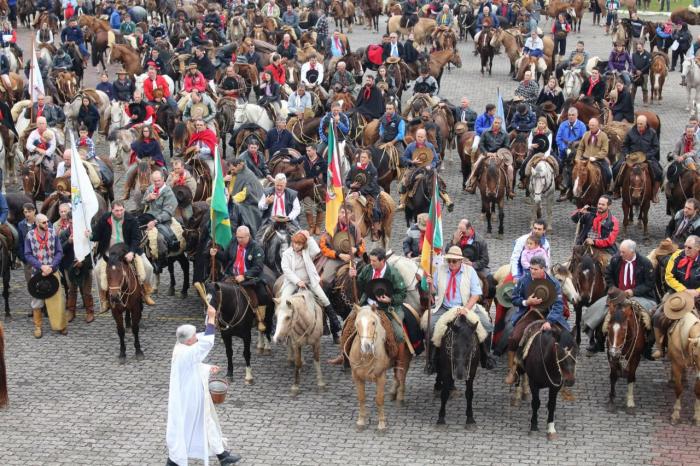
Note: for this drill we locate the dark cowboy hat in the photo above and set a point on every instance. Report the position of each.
(360, 179)
(543, 289)
(341, 242)
(379, 287)
(616, 296)
(62, 184)
(41, 287)
(678, 305)
(504, 294)
(543, 142)
(183, 194)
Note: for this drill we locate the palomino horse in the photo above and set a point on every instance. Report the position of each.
(549, 363)
(421, 31)
(300, 320)
(128, 58)
(14, 93)
(492, 187)
(125, 297)
(625, 326)
(657, 77)
(587, 182)
(369, 362)
(7, 155)
(437, 61)
(486, 51)
(542, 188)
(636, 192)
(364, 219)
(691, 71)
(458, 360)
(684, 352)
(589, 280)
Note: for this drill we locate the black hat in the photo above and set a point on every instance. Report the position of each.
(543, 289)
(379, 287)
(183, 194)
(42, 287)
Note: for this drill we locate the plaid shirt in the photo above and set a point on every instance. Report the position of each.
(322, 26)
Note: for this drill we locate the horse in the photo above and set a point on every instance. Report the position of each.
(589, 279)
(5, 269)
(364, 219)
(684, 351)
(300, 320)
(3, 370)
(66, 83)
(371, 10)
(127, 57)
(572, 82)
(626, 337)
(691, 71)
(72, 107)
(252, 113)
(492, 187)
(438, 59)
(458, 360)
(420, 194)
(342, 12)
(166, 118)
(542, 188)
(369, 362)
(7, 155)
(235, 317)
(486, 51)
(125, 297)
(657, 77)
(466, 20)
(636, 192)
(687, 186)
(14, 93)
(550, 363)
(587, 182)
(421, 30)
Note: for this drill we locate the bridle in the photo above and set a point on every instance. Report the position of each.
(612, 346)
(568, 354)
(125, 292)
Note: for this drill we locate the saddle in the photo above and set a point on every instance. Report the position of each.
(412, 179)
(531, 331)
(441, 326)
(408, 21)
(172, 235)
(635, 158)
(551, 160)
(348, 335)
(642, 314)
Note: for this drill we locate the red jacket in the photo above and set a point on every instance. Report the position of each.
(195, 82)
(161, 83)
(279, 74)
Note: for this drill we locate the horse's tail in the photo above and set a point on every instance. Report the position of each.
(95, 54)
(658, 132)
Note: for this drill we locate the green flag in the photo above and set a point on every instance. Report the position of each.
(220, 222)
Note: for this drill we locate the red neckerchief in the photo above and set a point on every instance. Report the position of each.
(420, 145)
(591, 86)
(255, 157)
(43, 242)
(285, 45)
(312, 65)
(452, 285)
(388, 118)
(377, 274)
(180, 180)
(597, 222)
(362, 167)
(642, 131)
(156, 190)
(239, 263)
(466, 237)
(686, 262)
(39, 110)
(368, 90)
(279, 201)
(342, 227)
(594, 136)
(65, 225)
(688, 145)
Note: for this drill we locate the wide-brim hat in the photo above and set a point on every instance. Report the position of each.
(578, 59)
(543, 289)
(422, 156)
(637, 157)
(616, 296)
(342, 243)
(183, 194)
(192, 64)
(543, 142)
(42, 287)
(504, 294)
(392, 60)
(62, 184)
(279, 219)
(678, 304)
(666, 247)
(379, 287)
(455, 252)
(360, 178)
(122, 71)
(461, 127)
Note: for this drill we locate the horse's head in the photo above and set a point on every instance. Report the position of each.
(542, 180)
(580, 177)
(586, 274)
(369, 329)
(145, 167)
(116, 273)
(455, 59)
(619, 325)
(519, 149)
(284, 312)
(637, 184)
(492, 177)
(563, 274)
(566, 351)
(464, 344)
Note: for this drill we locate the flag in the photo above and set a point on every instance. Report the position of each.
(499, 108)
(220, 221)
(334, 183)
(84, 202)
(432, 241)
(35, 81)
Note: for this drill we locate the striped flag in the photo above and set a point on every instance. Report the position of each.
(334, 182)
(433, 240)
(220, 221)
(499, 107)
(35, 82)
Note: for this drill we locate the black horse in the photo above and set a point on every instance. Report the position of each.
(550, 363)
(458, 360)
(420, 193)
(466, 20)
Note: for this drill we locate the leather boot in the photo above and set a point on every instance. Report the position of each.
(634, 93)
(104, 301)
(334, 322)
(512, 376)
(89, 304)
(645, 96)
(36, 313)
(147, 291)
(319, 224)
(71, 302)
(311, 222)
(260, 314)
(227, 458)
(658, 352)
(487, 361)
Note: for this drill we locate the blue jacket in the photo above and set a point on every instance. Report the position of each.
(483, 122)
(115, 20)
(22, 229)
(407, 157)
(480, 21)
(524, 122)
(72, 34)
(566, 134)
(556, 312)
(4, 210)
(343, 126)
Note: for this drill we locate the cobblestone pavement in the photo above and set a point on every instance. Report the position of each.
(72, 403)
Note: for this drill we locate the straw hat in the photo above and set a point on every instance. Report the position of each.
(422, 156)
(678, 305)
(392, 60)
(455, 252)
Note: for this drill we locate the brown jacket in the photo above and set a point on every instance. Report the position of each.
(599, 150)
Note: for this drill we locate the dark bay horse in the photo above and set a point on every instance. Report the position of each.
(589, 281)
(687, 186)
(418, 199)
(626, 340)
(586, 183)
(125, 297)
(550, 363)
(492, 187)
(636, 193)
(465, 140)
(486, 52)
(167, 118)
(458, 360)
(3, 370)
(5, 269)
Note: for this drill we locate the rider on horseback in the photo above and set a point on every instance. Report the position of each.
(686, 155)
(640, 138)
(425, 85)
(539, 143)
(279, 204)
(159, 204)
(41, 145)
(5, 73)
(255, 161)
(337, 253)
(362, 184)
(491, 141)
(73, 34)
(594, 147)
(598, 229)
(409, 14)
(569, 132)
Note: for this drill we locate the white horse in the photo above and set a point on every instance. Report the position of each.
(542, 189)
(119, 138)
(44, 54)
(572, 82)
(142, 77)
(252, 113)
(14, 63)
(691, 72)
(72, 108)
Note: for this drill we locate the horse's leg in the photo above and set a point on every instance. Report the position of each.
(119, 319)
(578, 309)
(501, 215)
(677, 373)
(469, 394)
(317, 364)
(171, 271)
(486, 209)
(226, 337)
(269, 313)
(696, 415)
(361, 423)
(626, 216)
(447, 383)
(297, 369)
(246, 355)
(614, 374)
(630, 407)
(185, 266)
(261, 342)
(135, 320)
(403, 365)
(551, 407)
(381, 384)
(535, 405)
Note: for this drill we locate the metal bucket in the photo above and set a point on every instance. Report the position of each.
(218, 389)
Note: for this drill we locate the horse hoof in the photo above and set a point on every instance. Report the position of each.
(171, 291)
(610, 407)
(248, 381)
(267, 351)
(441, 421)
(631, 410)
(499, 236)
(8, 318)
(515, 402)
(400, 402)
(381, 428)
(675, 420)
(552, 436)
(322, 386)
(533, 431)
(696, 422)
(361, 427)
(122, 359)
(259, 350)
(181, 294)
(140, 356)
(290, 362)
(229, 376)
(295, 390)
(470, 425)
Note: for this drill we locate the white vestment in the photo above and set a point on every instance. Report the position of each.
(193, 426)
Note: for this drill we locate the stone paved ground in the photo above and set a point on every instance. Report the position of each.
(72, 403)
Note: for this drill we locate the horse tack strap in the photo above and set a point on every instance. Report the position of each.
(406, 338)
(412, 311)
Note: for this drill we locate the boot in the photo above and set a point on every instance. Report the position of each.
(71, 302)
(658, 352)
(564, 196)
(37, 322)
(591, 348)
(104, 301)
(645, 97)
(227, 458)
(89, 305)
(448, 202)
(512, 376)
(634, 93)
(334, 323)
(487, 361)
(260, 314)
(319, 224)
(655, 191)
(310, 220)
(147, 291)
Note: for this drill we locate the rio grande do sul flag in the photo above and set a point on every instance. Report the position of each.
(334, 183)
(432, 241)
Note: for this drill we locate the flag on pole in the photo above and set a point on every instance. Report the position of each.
(83, 200)
(432, 241)
(35, 81)
(220, 221)
(334, 182)
(499, 107)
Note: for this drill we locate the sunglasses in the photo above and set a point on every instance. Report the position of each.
(453, 261)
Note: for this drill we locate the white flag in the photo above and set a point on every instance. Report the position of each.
(37, 84)
(83, 200)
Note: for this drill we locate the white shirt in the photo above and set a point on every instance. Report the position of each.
(628, 275)
(61, 169)
(276, 210)
(305, 69)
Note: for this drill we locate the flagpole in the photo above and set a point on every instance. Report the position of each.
(430, 274)
(31, 83)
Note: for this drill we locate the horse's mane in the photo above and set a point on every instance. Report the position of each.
(565, 339)
(180, 131)
(116, 253)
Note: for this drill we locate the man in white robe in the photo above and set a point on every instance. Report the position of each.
(193, 427)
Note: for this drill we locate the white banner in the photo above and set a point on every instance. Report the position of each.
(84, 203)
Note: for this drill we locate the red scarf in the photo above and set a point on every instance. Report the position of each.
(156, 190)
(180, 181)
(368, 91)
(39, 110)
(466, 237)
(65, 225)
(255, 157)
(686, 262)
(597, 222)
(44, 242)
(239, 263)
(688, 144)
(362, 167)
(452, 285)
(377, 274)
(207, 137)
(591, 86)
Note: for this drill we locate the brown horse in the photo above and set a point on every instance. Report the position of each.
(485, 50)
(363, 218)
(445, 38)
(48, 18)
(345, 98)
(304, 131)
(445, 121)
(626, 335)
(371, 10)
(465, 140)
(512, 41)
(125, 297)
(683, 15)
(343, 12)
(684, 352)
(556, 7)
(14, 93)
(492, 187)
(587, 182)
(636, 192)
(3, 370)
(588, 279)
(687, 187)
(657, 78)
(128, 58)
(66, 85)
(439, 59)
